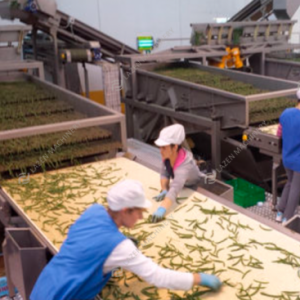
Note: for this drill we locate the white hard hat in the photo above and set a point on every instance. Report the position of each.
(127, 194)
(298, 94)
(173, 134)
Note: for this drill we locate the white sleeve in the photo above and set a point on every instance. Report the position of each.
(128, 257)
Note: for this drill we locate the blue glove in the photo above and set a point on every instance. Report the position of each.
(158, 215)
(210, 281)
(161, 196)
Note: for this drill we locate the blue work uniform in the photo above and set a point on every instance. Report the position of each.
(290, 121)
(76, 272)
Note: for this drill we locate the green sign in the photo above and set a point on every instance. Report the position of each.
(145, 42)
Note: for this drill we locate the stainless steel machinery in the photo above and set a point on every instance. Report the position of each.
(42, 123)
(216, 120)
(153, 100)
(11, 55)
(65, 34)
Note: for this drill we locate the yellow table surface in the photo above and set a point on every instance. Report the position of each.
(221, 233)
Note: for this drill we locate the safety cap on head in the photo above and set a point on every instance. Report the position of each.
(298, 94)
(173, 134)
(127, 194)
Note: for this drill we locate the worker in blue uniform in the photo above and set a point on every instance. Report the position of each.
(95, 247)
(289, 129)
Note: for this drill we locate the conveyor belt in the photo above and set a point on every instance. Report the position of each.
(109, 45)
(202, 234)
(254, 11)
(261, 9)
(77, 33)
(23, 104)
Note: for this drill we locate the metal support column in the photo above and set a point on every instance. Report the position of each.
(133, 78)
(275, 166)
(262, 63)
(86, 81)
(34, 45)
(56, 58)
(216, 144)
(10, 284)
(129, 120)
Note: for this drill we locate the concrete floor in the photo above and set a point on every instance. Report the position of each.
(266, 209)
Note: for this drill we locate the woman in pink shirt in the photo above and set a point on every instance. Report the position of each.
(179, 168)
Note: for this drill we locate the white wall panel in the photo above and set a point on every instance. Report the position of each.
(125, 20)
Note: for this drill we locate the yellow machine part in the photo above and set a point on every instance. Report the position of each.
(96, 96)
(231, 60)
(99, 97)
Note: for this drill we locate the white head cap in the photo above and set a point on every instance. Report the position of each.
(127, 194)
(298, 94)
(173, 134)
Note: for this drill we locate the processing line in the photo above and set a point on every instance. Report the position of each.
(195, 217)
(42, 127)
(158, 97)
(80, 42)
(38, 119)
(46, 122)
(45, 205)
(224, 123)
(263, 9)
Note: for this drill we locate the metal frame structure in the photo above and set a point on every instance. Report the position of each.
(256, 34)
(10, 56)
(23, 65)
(62, 27)
(262, 9)
(152, 97)
(255, 41)
(97, 115)
(281, 68)
(37, 244)
(18, 251)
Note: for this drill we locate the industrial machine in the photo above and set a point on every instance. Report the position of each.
(42, 127)
(224, 126)
(66, 42)
(153, 100)
(242, 40)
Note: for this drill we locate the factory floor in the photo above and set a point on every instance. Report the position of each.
(266, 211)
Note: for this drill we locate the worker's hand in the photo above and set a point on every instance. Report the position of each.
(158, 215)
(210, 281)
(161, 196)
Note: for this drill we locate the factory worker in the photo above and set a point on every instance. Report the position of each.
(178, 164)
(95, 247)
(289, 129)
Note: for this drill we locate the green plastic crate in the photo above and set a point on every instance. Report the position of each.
(245, 193)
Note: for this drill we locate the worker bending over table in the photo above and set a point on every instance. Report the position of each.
(95, 247)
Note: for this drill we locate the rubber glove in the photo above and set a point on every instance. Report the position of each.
(161, 196)
(158, 215)
(210, 281)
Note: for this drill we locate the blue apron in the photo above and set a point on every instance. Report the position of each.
(76, 272)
